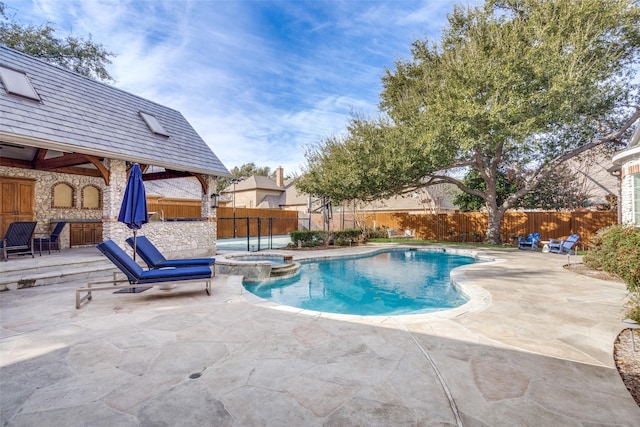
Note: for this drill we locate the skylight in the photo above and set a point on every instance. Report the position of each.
(17, 83)
(154, 124)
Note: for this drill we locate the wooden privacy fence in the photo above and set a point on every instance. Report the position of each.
(175, 208)
(471, 226)
(267, 221)
(264, 221)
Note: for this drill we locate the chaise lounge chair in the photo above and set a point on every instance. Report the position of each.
(531, 242)
(136, 276)
(154, 259)
(558, 246)
(18, 239)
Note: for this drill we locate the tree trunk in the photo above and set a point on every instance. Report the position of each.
(493, 226)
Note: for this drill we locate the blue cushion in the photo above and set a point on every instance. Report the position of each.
(136, 274)
(147, 251)
(154, 259)
(175, 274)
(121, 259)
(189, 262)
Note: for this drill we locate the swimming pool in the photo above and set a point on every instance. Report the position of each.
(392, 282)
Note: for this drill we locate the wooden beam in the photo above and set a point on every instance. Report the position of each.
(102, 170)
(66, 160)
(79, 171)
(15, 163)
(203, 182)
(41, 153)
(165, 175)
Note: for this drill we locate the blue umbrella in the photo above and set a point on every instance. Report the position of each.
(133, 211)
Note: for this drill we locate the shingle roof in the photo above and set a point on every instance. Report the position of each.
(78, 114)
(254, 182)
(177, 188)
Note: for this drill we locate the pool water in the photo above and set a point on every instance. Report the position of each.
(388, 283)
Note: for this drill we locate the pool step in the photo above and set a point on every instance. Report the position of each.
(284, 269)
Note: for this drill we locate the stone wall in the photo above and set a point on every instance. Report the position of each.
(175, 239)
(629, 169)
(45, 213)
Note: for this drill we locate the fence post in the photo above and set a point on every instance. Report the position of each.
(248, 236)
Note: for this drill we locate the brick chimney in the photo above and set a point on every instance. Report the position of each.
(280, 176)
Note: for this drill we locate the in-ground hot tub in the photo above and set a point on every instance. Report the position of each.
(254, 267)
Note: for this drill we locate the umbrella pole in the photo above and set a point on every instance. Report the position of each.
(134, 243)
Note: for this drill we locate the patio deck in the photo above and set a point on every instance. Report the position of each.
(534, 348)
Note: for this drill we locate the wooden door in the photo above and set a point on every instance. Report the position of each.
(17, 196)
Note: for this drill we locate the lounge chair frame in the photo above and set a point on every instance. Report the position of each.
(137, 277)
(90, 287)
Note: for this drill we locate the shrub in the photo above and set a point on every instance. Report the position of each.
(348, 234)
(378, 233)
(616, 250)
(308, 238)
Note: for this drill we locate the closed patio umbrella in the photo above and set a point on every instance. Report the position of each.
(133, 211)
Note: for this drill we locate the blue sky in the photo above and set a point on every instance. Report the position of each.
(259, 80)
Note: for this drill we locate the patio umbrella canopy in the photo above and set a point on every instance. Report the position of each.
(133, 211)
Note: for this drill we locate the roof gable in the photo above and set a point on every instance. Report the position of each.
(78, 114)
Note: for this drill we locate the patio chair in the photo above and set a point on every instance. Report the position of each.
(154, 259)
(18, 239)
(531, 242)
(136, 276)
(559, 246)
(52, 241)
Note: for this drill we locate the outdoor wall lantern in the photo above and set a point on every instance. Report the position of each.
(214, 200)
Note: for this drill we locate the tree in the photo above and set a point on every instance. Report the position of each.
(513, 84)
(72, 53)
(506, 184)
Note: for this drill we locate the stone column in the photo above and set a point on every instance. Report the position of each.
(112, 199)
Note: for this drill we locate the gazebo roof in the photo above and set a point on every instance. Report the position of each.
(71, 113)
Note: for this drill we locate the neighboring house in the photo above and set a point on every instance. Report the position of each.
(264, 192)
(67, 142)
(627, 162)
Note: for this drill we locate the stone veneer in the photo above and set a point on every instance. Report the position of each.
(629, 169)
(192, 238)
(44, 213)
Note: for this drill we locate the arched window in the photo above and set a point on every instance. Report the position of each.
(91, 197)
(62, 196)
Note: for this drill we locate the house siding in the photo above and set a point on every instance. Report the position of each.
(630, 193)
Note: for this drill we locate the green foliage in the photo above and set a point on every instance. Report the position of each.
(512, 85)
(307, 237)
(558, 190)
(378, 233)
(344, 237)
(616, 249)
(81, 56)
(347, 237)
(506, 184)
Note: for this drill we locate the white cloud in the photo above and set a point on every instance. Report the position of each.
(257, 80)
